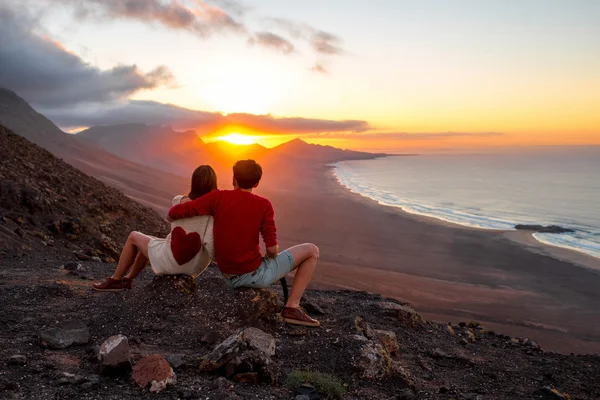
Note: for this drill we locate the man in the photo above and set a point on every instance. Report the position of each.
(240, 217)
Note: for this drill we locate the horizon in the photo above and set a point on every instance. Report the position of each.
(427, 77)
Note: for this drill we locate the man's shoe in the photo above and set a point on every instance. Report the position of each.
(109, 285)
(127, 283)
(297, 316)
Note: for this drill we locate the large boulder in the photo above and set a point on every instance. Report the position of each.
(155, 371)
(65, 335)
(249, 350)
(374, 362)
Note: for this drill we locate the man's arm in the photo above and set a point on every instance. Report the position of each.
(269, 231)
(203, 205)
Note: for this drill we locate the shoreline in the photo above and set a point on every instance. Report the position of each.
(523, 237)
(448, 272)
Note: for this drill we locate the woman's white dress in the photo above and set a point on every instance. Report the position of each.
(187, 250)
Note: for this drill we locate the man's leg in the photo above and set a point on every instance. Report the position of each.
(305, 262)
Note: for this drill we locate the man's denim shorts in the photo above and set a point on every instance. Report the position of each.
(270, 271)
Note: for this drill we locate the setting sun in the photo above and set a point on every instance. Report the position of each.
(237, 138)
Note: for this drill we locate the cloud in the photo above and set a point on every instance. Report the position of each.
(406, 135)
(150, 112)
(44, 72)
(320, 68)
(268, 39)
(232, 6)
(199, 18)
(322, 42)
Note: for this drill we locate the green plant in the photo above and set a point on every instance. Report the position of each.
(324, 383)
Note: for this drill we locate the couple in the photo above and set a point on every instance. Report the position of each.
(232, 239)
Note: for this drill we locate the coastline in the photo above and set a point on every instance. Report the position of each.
(523, 237)
(448, 272)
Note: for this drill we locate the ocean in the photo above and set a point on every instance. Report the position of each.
(552, 186)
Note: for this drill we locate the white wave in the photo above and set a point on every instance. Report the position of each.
(571, 241)
(578, 241)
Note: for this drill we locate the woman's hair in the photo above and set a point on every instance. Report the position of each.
(204, 180)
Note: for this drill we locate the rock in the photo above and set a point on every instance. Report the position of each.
(302, 397)
(443, 389)
(114, 355)
(90, 382)
(66, 378)
(81, 256)
(471, 336)
(108, 260)
(17, 359)
(175, 360)
(544, 229)
(311, 307)
(389, 340)
(71, 266)
(308, 390)
(373, 361)
(450, 330)
(65, 335)
(222, 384)
(364, 327)
(439, 353)
(96, 259)
(247, 350)
(154, 371)
(404, 312)
(463, 342)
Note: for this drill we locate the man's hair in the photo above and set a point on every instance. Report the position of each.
(247, 173)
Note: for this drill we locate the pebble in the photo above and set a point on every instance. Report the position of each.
(17, 359)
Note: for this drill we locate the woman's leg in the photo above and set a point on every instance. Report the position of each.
(136, 243)
(141, 262)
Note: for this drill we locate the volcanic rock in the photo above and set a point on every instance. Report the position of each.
(114, 355)
(65, 335)
(154, 371)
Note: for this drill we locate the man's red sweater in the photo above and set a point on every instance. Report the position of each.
(239, 218)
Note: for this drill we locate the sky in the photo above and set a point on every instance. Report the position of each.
(381, 75)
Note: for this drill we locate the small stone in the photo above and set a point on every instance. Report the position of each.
(463, 342)
(154, 371)
(81, 256)
(65, 335)
(71, 266)
(222, 384)
(17, 359)
(311, 307)
(471, 336)
(175, 360)
(444, 389)
(108, 260)
(96, 259)
(462, 324)
(302, 397)
(114, 355)
(439, 353)
(552, 394)
(450, 330)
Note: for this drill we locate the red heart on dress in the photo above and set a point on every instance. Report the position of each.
(184, 246)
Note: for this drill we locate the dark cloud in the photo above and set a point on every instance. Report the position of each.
(271, 40)
(407, 136)
(45, 73)
(200, 18)
(150, 112)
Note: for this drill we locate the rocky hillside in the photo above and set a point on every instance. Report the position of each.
(45, 201)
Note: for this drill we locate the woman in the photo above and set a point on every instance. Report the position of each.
(187, 250)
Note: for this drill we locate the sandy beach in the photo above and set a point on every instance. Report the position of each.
(506, 280)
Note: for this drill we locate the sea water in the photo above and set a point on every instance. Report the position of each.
(545, 186)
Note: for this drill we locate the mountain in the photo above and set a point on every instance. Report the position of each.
(43, 199)
(155, 146)
(152, 187)
(299, 150)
